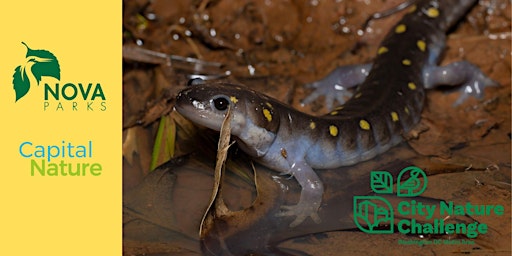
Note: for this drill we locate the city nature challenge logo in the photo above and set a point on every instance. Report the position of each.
(58, 96)
(375, 214)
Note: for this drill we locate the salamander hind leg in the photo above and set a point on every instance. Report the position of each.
(464, 74)
(310, 196)
(335, 85)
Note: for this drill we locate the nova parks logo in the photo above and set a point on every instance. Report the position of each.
(57, 96)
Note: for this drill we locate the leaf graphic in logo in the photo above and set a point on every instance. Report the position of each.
(38, 63)
(21, 84)
(381, 182)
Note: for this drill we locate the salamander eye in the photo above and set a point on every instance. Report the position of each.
(221, 103)
(195, 81)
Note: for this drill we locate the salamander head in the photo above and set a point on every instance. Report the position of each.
(254, 121)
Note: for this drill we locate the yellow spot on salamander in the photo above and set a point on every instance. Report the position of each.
(394, 116)
(400, 29)
(284, 153)
(358, 95)
(333, 113)
(312, 125)
(382, 49)
(267, 114)
(432, 12)
(339, 108)
(411, 86)
(406, 62)
(364, 124)
(233, 99)
(406, 109)
(421, 45)
(269, 105)
(412, 8)
(333, 130)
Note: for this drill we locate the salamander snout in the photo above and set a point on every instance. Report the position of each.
(205, 104)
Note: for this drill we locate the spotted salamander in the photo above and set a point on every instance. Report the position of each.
(387, 102)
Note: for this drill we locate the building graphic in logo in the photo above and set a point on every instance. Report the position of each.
(372, 212)
(38, 63)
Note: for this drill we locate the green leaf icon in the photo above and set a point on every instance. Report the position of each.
(21, 84)
(381, 182)
(38, 63)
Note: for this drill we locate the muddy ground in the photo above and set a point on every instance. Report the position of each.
(276, 47)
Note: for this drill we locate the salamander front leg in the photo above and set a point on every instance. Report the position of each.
(310, 196)
(335, 85)
(462, 73)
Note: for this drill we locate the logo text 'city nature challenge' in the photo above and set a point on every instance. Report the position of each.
(375, 214)
(69, 96)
